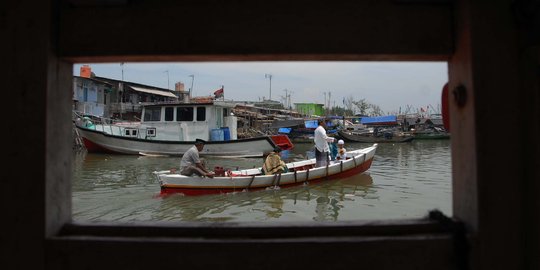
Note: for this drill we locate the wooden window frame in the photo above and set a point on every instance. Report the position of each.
(365, 237)
(68, 31)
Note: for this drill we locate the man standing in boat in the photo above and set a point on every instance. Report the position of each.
(321, 144)
(192, 164)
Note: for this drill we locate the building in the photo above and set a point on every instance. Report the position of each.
(91, 96)
(117, 99)
(310, 109)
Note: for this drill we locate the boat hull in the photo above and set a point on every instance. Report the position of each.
(245, 180)
(100, 142)
(431, 136)
(352, 137)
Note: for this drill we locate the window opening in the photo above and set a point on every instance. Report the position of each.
(201, 113)
(169, 114)
(184, 114)
(392, 182)
(130, 132)
(151, 132)
(152, 114)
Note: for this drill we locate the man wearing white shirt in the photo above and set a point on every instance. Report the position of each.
(321, 144)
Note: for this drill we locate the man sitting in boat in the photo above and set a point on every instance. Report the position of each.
(273, 163)
(192, 164)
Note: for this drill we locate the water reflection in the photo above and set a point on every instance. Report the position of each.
(321, 202)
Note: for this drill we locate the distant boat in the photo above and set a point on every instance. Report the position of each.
(300, 172)
(434, 133)
(382, 137)
(303, 131)
(171, 129)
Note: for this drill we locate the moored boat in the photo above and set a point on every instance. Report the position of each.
(303, 132)
(171, 129)
(433, 133)
(358, 161)
(382, 137)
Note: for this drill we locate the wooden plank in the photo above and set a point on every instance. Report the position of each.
(256, 229)
(412, 252)
(217, 30)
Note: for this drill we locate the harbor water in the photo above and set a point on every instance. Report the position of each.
(406, 180)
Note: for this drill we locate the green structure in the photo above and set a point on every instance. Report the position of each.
(310, 109)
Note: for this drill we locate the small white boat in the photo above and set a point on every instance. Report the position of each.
(171, 129)
(300, 172)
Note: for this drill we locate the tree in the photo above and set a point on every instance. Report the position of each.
(341, 111)
(362, 106)
(376, 110)
(348, 102)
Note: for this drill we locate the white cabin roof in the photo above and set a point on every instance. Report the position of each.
(153, 91)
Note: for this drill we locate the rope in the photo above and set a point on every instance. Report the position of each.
(326, 177)
(250, 182)
(274, 180)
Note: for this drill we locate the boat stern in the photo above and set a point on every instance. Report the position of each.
(282, 141)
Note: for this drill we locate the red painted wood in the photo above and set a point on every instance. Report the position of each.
(445, 108)
(95, 148)
(282, 141)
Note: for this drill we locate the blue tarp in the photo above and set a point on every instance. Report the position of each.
(389, 119)
(311, 124)
(285, 130)
(315, 124)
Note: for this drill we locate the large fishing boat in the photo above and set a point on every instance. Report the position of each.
(172, 128)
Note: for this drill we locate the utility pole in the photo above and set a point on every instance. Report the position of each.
(290, 105)
(168, 81)
(329, 95)
(286, 98)
(191, 88)
(166, 71)
(122, 65)
(269, 76)
(122, 90)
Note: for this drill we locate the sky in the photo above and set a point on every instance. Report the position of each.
(390, 85)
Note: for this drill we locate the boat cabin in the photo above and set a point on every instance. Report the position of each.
(188, 121)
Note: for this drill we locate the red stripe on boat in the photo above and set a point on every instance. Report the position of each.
(96, 148)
